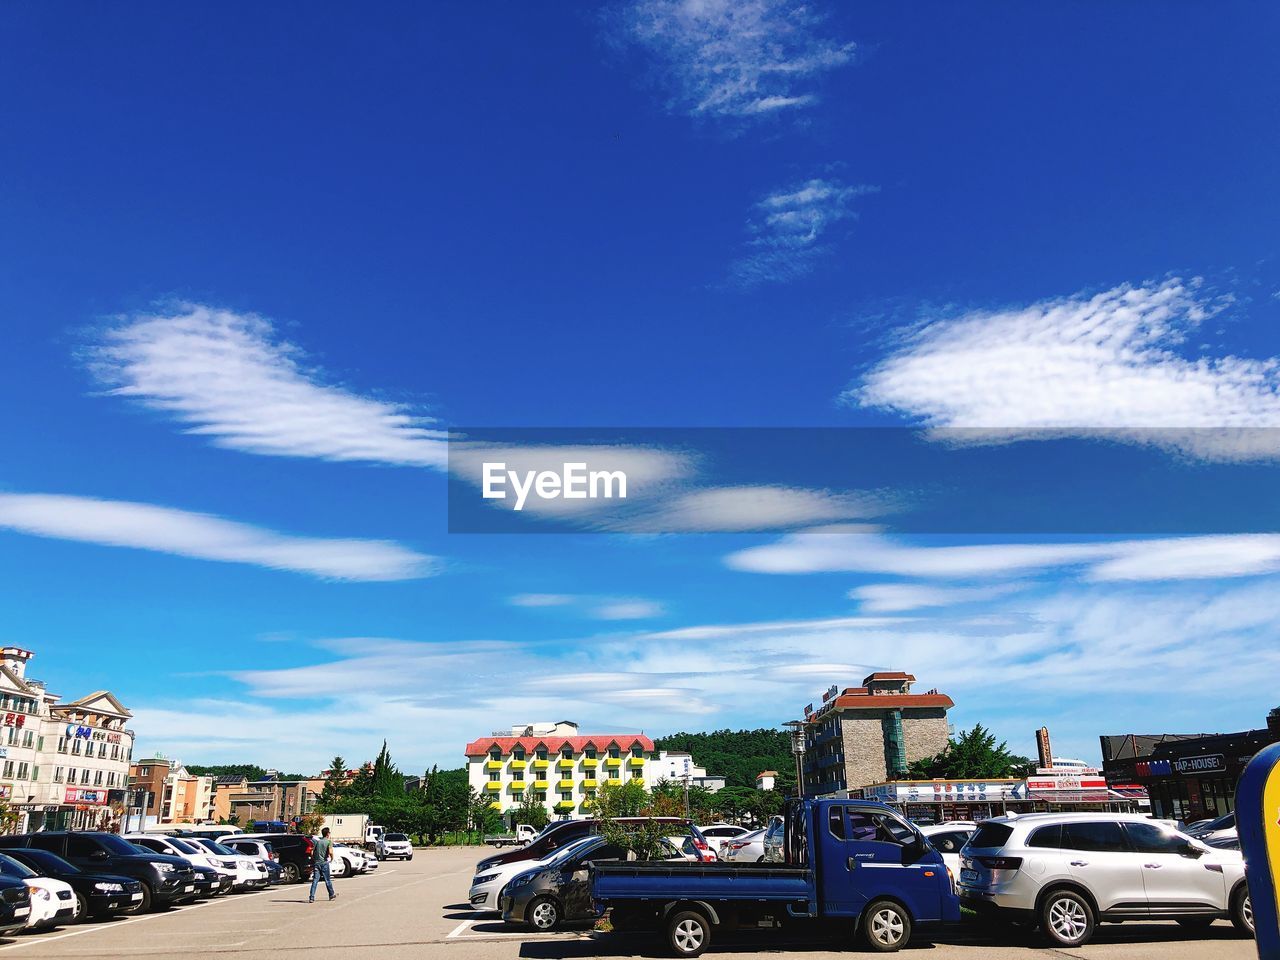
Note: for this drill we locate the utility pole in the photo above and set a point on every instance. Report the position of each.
(797, 749)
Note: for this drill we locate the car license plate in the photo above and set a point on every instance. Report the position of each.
(135, 896)
(188, 888)
(969, 876)
(21, 911)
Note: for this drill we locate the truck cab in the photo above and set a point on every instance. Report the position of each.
(852, 859)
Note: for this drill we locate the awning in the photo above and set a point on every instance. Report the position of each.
(1130, 793)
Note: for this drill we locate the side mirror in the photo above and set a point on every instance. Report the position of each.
(1191, 850)
(98, 855)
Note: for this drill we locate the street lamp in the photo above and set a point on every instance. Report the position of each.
(797, 749)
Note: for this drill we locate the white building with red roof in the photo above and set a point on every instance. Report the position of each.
(556, 763)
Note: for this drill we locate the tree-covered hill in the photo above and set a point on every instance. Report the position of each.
(736, 755)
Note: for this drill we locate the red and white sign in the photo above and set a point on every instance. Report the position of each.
(1066, 783)
(80, 795)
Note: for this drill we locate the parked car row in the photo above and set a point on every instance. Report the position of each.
(56, 877)
(1060, 873)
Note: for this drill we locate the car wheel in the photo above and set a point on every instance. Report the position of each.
(688, 933)
(143, 905)
(886, 926)
(290, 873)
(82, 909)
(543, 914)
(1242, 910)
(1067, 918)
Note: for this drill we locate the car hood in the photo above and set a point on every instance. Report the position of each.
(89, 877)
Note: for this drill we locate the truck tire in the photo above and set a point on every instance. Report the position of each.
(688, 933)
(886, 926)
(1067, 918)
(1242, 910)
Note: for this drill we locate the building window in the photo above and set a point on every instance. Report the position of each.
(637, 750)
(517, 753)
(566, 752)
(75, 746)
(29, 739)
(8, 769)
(540, 753)
(614, 752)
(540, 796)
(62, 744)
(102, 751)
(97, 778)
(495, 754)
(35, 773)
(495, 776)
(71, 775)
(589, 753)
(566, 795)
(57, 774)
(84, 776)
(23, 769)
(517, 776)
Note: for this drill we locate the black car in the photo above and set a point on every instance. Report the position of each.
(165, 880)
(293, 853)
(15, 905)
(99, 894)
(564, 832)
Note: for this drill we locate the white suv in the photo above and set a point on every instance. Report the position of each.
(1067, 872)
(394, 845)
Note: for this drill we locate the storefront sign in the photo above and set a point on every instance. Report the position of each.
(14, 720)
(1258, 822)
(77, 795)
(942, 791)
(75, 730)
(1066, 783)
(1213, 763)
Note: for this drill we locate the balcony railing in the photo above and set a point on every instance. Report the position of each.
(635, 761)
(590, 763)
(566, 784)
(565, 763)
(613, 761)
(541, 764)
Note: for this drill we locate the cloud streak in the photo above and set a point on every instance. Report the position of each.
(227, 376)
(787, 228)
(202, 536)
(737, 59)
(1110, 361)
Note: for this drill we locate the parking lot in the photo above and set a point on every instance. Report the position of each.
(407, 908)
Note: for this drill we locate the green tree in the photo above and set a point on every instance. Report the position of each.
(386, 781)
(531, 811)
(971, 755)
(335, 780)
(737, 755)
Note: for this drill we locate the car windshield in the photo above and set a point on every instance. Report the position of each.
(118, 846)
(13, 868)
(398, 837)
(219, 848)
(564, 853)
(47, 862)
(185, 846)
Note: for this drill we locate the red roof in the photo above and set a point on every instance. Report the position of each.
(886, 701)
(890, 675)
(625, 741)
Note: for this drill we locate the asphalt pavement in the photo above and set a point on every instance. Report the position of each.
(417, 909)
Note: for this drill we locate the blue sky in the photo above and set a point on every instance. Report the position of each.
(252, 260)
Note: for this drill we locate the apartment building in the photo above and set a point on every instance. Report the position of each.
(677, 766)
(272, 798)
(172, 793)
(558, 764)
(62, 765)
(869, 734)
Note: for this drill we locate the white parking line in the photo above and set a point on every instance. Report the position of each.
(108, 926)
(457, 931)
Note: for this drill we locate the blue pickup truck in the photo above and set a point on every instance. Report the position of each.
(851, 860)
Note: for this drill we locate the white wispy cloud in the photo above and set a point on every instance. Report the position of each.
(593, 606)
(1113, 361)
(739, 59)
(1168, 558)
(229, 377)
(900, 597)
(787, 228)
(202, 536)
(753, 507)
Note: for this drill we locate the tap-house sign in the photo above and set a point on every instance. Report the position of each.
(1212, 763)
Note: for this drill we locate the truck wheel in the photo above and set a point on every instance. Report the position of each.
(688, 933)
(1242, 910)
(886, 926)
(543, 914)
(1067, 918)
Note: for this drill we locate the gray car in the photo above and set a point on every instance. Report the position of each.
(558, 890)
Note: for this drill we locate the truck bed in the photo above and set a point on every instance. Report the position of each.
(667, 880)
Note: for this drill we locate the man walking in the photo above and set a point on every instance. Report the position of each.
(321, 856)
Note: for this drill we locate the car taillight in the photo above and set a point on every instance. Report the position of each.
(310, 847)
(1001, 863)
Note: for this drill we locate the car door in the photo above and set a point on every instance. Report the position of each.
(1175, 880)
(575, 881)
(1099, 856)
